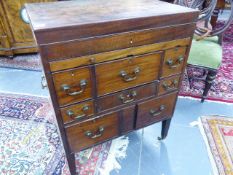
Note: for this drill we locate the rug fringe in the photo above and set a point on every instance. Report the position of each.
(23, 94)
(207, 100)
(210, 155)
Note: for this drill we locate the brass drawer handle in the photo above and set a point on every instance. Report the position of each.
(158, 111)
(67, 89)
(128, 98)
(99, 133)
(130, 77)
(71, 113)
(172, 64)
(171, 86)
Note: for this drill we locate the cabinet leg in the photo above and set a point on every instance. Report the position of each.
(165, 128)
(71, 164)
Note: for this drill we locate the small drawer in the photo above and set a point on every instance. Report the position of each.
(125, 73)
(78, 112)
(126, 96)
(174, 60)
(169, 84)
(155, 110)
(72, 86)
(89, 133)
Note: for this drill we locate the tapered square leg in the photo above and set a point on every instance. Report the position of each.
(165, 128)
(71, 164)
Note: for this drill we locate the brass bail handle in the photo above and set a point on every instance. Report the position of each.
(174, 64)
(158, 111)
(98, 133)
(130, 76)
(67, 89)
(71, 113)
(170, 86)
(128, 98)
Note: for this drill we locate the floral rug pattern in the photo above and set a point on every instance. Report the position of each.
(30, 143)
(222, 88)
(217, 132)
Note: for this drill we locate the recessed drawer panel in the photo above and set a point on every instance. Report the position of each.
(89, 133)
(73, 85)
(174, 60)
(155, 110)
(169, 84)
(126, 96)
(125, 73)
(77, 112)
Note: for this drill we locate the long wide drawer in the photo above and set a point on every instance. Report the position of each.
(100, 129)
(105, 43)
(116, 54)
(127, 96)
(129, 72)
(155, 110)
(92, 132)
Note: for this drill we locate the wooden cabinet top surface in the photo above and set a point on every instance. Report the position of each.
(75, 13)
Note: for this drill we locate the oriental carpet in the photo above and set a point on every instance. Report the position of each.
(30, 143)
(217, 132)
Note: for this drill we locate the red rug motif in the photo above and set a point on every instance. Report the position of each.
(30, 143)
(222, 88)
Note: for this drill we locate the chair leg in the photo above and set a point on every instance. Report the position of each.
(208, 82)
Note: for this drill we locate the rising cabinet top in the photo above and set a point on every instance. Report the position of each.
(87, 18)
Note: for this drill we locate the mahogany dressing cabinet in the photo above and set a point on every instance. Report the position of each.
(111, 66)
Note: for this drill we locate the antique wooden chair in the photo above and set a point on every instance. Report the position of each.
(206, 50)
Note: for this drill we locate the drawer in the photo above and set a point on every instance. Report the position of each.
(77, 112)
(169, 84)
(155, 110)
(126, 96)
(125, 73)
(106, 43)
(73, 85)
(89, 133)
(116, 54)
(174, 60)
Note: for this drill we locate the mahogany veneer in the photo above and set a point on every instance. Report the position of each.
(111, 66)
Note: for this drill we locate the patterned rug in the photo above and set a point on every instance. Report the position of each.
(222, 88)
(27, 62)
(217, 132)
(30, 143)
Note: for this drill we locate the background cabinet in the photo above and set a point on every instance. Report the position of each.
(15, 34)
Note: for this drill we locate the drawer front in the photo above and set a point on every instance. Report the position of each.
(125, 73)
(155, 110)
(174, 60)
(106, 43)
(89, 133)
(116, 54)
(126, 96)
(78, 112)
(73, 85)
(169, 84)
